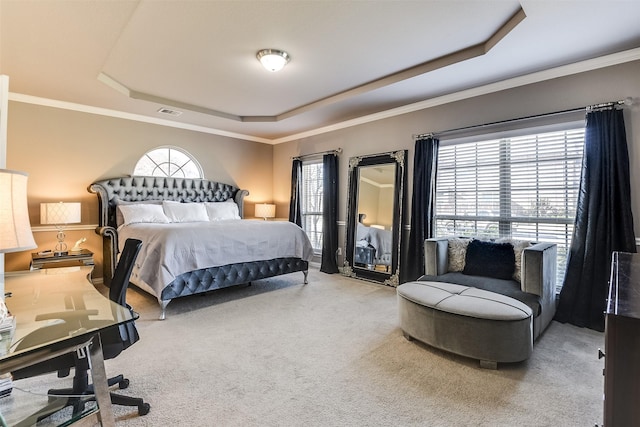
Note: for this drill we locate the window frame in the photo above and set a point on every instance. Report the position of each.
(507, 220)
(316, 235)
(179, 167)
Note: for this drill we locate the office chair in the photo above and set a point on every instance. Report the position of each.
(114, 340)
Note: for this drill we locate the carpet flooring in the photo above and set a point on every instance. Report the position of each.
(331, 353)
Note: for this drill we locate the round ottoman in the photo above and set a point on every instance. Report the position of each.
(467, 321)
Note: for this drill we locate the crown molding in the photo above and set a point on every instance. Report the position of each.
(549, 74)
(461, 55)
(552, 73)
(47, 102)
(375, 184)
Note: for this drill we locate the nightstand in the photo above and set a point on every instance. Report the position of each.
(84, 257)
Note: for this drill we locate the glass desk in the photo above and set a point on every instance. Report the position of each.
(41, 298)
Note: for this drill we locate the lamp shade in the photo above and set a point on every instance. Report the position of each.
(15, 228)
(59, 213)
(265, 210)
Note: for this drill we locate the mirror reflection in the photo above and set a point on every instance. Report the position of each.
(374, 217)
(373, 241)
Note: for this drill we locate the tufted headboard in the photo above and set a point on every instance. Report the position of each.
(145, 188)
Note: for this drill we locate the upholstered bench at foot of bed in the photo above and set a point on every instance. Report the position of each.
(467, 321)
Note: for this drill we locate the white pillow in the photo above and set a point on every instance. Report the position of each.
(119, 203)
(132, 214)
(219, 211)
(185, 212)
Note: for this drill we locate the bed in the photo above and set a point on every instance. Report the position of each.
(189, 254)
(373, 246)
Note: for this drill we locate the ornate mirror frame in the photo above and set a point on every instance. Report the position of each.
(358, 270)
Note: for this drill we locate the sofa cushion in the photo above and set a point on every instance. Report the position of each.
(518, 247)
(457, 248)
(490, 259)
(464, 300)
(510, 288)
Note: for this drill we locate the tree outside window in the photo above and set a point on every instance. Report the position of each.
(311, 203)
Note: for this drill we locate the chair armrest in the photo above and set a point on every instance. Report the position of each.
(436, 256)
(539, 269)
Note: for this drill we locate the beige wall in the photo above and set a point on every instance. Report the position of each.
(367, 202)
(385, 208)
(374, 202)
(64, 151)
(609, 84)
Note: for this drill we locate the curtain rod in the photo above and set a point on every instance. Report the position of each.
(336, 152)
(626, 101)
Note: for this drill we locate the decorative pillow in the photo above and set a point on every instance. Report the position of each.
(518, 247)
(457, 252)
(185, 212)
(149, 213)
(490, 259)
(120, 219)
(219, 211)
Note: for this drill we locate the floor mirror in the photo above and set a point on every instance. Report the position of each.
(374, 217)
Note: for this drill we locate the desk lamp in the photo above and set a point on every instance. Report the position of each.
(60, 214)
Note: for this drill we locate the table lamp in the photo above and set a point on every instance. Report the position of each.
(16, 232)
(60, 214)
(265, 210)
(15, 228)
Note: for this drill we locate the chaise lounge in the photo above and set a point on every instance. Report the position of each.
(488, 300)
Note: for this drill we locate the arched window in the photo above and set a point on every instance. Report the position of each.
(172, 162)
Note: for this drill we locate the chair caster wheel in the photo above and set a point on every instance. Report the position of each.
(123, 384)
(144, 409)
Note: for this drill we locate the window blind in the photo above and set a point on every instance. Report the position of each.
(523, 187)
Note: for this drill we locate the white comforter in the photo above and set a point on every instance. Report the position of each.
(169, 250)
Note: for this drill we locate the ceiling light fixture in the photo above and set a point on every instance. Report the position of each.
(273, 59)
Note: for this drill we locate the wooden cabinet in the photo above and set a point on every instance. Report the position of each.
(622, 343)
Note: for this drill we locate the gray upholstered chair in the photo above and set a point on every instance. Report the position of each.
(536, 288)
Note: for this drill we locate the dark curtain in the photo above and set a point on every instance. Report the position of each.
(295, 214)
(603, 223)
(425, 163)
(329, 213)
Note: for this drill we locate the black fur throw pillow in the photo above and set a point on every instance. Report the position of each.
(490, 259)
